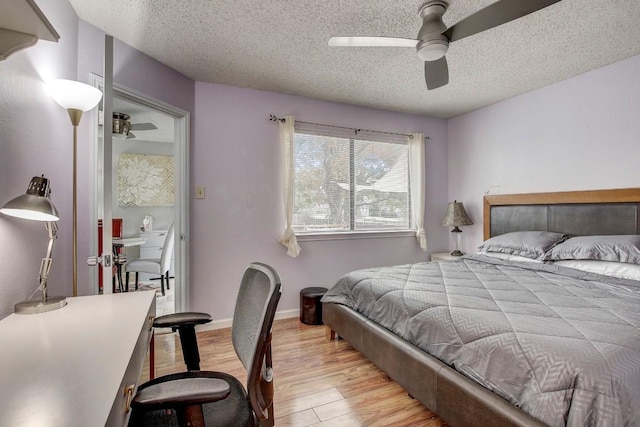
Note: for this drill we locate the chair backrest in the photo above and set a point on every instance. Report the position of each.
(251, 334)
(167, 250)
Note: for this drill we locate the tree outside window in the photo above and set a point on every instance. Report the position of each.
(344, 185)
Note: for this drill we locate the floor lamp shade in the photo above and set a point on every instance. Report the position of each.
(36, 205)
(70, 94)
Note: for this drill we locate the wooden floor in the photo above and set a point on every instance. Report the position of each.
(317, 382)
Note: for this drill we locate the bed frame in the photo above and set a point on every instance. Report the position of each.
(455, 398)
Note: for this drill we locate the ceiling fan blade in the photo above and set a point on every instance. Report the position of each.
(143, 126)
(372, 42)
(436, 73)
(494, 15)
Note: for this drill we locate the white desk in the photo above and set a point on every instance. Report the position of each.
(70, 367)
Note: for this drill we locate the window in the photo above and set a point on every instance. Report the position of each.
(344, 184)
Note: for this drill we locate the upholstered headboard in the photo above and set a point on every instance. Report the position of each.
(574, 212)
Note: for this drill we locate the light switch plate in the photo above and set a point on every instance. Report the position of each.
(199, 193)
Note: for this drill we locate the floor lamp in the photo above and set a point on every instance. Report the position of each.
(76, 98)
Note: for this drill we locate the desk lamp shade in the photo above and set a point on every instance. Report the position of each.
(455, 217)
(36, 205)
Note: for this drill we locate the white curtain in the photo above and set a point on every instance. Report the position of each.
(416, 184)
(287, 133)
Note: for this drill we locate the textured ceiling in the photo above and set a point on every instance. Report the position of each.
(281, 46)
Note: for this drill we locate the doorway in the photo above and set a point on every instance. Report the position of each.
(149, 172)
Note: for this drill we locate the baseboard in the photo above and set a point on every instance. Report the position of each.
(226, 323)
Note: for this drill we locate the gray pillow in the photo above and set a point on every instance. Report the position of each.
(623, 248)
(530, 244)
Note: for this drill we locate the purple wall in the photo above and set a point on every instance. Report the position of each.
(574, 135)
(236, 156)
(578, 134)
(35, 139)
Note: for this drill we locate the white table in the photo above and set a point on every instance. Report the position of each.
(129, 241)
(71, 367)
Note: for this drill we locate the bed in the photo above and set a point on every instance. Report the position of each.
(461, 400)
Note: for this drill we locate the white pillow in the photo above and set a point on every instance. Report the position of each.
(621, 270)
(509, 257)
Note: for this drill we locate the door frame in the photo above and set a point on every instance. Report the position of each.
(181, 153)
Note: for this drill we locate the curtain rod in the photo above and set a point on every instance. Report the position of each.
(274, 118)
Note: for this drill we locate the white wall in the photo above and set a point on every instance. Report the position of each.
(579, 134)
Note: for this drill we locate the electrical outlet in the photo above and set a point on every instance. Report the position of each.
(199, 193)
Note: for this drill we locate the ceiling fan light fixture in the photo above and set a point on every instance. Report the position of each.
(121, 124)
(434, 37)
(432, 50)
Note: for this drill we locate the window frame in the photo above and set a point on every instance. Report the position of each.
(352, 136)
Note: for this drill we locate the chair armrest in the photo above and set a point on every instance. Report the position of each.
(179, 320)
(181, 392)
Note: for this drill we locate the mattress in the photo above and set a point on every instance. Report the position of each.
(561, 344)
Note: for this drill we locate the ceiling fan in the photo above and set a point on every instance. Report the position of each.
(434, 37)
(122, 127)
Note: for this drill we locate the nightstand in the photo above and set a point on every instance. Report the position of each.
(443, 256)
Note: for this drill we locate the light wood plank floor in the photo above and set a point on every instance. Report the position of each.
(317, 382)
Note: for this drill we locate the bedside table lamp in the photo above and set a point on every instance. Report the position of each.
(36, 205)
(456, 216)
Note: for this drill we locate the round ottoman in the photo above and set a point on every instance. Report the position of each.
(310, 305)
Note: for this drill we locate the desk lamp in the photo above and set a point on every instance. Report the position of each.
(456, 216)
(36, 205)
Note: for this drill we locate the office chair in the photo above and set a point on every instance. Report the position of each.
(159, 266)
(216, 398)
(185, 324)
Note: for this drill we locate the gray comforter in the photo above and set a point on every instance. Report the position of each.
(561, 344)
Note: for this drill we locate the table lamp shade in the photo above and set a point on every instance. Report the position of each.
(35, 204)
(456, 215)
(74, 95)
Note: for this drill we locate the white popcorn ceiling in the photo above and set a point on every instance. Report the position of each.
(281, 46)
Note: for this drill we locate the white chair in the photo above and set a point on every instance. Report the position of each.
(154, 266)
